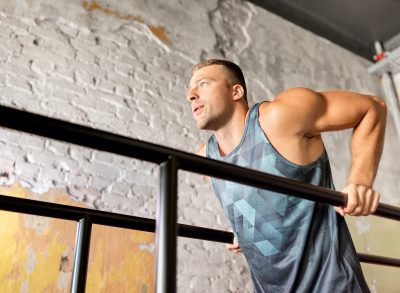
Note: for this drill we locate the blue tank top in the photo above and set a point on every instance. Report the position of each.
(290, 244)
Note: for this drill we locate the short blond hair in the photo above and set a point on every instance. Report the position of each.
(235, 72)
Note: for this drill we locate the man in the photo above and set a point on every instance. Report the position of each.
(290, 244)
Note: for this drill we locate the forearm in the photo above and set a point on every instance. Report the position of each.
(367, 144)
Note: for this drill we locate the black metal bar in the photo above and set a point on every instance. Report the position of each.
(117, 144)
(81, 258)
(101, 140)
(53, 210)
(379, 260)
(166, 229)
(39, 208)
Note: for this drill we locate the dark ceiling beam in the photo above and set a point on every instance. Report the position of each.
(315, 25)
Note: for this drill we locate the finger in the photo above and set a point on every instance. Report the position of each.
(368, 202)
(375, 202)
(362, 193)
(233, 246)
(237, 249)
(352, 200)
(340, 211)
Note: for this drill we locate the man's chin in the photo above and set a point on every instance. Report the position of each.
(202, 126)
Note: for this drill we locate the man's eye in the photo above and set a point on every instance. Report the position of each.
(203, 84)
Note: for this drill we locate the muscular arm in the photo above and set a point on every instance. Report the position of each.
(367, 116)
(304, 114)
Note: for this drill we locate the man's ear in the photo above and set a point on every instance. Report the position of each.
(238, 92)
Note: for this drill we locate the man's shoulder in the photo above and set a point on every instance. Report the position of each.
(295, 93)
(287, 101)
(289, 112)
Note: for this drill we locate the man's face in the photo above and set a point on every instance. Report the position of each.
(211, 97)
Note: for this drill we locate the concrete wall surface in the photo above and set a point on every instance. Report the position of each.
(123, 66)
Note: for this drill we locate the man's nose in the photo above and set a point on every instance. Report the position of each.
(192, 95)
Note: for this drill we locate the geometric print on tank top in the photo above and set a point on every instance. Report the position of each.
(291, 244)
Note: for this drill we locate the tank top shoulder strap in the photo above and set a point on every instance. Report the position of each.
(251, 120)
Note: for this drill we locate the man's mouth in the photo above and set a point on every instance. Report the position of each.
(197, 108)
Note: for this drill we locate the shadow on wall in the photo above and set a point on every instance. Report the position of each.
(37, 252)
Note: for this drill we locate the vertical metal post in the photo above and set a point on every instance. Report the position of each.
(166, 228)
(81, 257)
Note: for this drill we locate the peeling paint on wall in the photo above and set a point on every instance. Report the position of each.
(37, 252)
(159, 31)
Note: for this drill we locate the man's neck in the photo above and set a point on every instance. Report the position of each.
(229, 135)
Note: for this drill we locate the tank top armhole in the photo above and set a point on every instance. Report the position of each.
(321, 158)
(257, 110)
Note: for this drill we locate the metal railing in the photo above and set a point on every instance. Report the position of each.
(166, 227)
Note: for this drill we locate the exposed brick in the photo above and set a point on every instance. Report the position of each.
(10, 136)
(50, 34)
(80, 154)
(41, 66)
(118, 75)
(32, 142)
(85, 57)
(85, 78)
(63, 109)
(102, 184)
(14, 24)
(120, 79)
(18, 83)
(50, 177)
(57, 147)
(123, 90)
(20, 99)
(6, 166)
(27, 171)
(4, 54)
(6, 31)
(68, 29)
(78, 178)
(65, 84)
(105, 85)
(85, 47)
(103, 157)
(121, 188)
(138, 177)
(38, 52)
(106, 171)
(77, 66)
(99, 119)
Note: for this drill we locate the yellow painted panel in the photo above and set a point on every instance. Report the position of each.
(37, 252)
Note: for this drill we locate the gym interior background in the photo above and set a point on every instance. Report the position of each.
(123, 66)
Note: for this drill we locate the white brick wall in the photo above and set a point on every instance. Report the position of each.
(114, 74)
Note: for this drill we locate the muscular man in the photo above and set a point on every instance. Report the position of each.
(290, 244)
